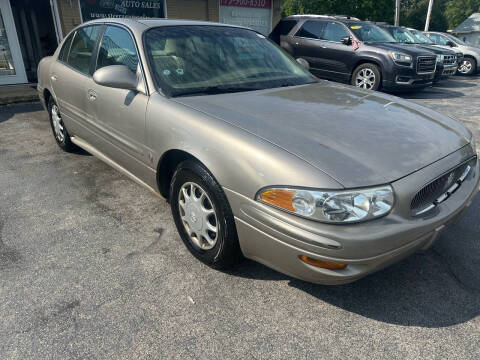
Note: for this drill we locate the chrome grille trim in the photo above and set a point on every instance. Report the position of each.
(426, 64)
(440, 189)
(450, 59)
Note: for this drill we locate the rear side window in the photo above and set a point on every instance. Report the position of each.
(438, 39)
(81, 50)
(117, 48)
(312, 29)
(65, 49)
(335, 32)
(282, 28)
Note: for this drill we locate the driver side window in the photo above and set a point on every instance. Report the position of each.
(335, 32)
(117, 48)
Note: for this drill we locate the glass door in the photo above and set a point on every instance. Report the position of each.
(12, 70)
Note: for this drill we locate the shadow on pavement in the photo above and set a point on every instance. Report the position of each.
(432, 93)
(437, 288)
(8, 111)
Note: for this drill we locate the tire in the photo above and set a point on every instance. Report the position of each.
(223, 250)
(60, 134)
(467, 67)
(367, 76)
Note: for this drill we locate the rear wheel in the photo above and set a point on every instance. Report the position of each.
(468, 66)
(203, 216)
(367, 76)
(58, 128)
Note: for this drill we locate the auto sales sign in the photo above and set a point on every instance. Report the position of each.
(96, 9)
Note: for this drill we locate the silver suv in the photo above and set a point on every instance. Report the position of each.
(471, 54)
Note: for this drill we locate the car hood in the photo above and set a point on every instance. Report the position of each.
(401, 47)
(359, 138)
(434, 49)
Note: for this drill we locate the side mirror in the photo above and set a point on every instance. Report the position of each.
(304, 63)
(451, 43)
(116, 76)
(347, 40)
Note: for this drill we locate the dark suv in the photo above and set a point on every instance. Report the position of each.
(358, 52)
(446, 58)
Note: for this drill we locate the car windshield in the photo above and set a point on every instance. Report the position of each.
(402, 35)
(370, 33)
(204, 59)
(421, 38)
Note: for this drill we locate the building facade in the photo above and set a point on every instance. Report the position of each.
(469, 30)
(32, 29)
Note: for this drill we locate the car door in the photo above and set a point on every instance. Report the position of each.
(307, 44)
(69, 75)
(337, 58)
(118, 115)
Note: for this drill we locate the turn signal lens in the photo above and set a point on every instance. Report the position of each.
(279, 197)
(322, 264)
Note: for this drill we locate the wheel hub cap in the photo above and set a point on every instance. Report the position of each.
(465, 67)
(365, 79)
(198, 216)
(57, 122)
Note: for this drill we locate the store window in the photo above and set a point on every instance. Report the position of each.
(254, 14)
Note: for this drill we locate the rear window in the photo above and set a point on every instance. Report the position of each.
(282, 28)
(312, 29)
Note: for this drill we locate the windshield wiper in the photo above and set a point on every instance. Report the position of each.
(217, 89)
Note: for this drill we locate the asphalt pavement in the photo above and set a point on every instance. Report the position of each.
(91, 267)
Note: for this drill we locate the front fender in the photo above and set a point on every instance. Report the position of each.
(238, 159)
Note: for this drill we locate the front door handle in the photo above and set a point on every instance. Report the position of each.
(91, 95)
(54, 77)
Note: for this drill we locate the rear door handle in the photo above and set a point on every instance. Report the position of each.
(91, 95)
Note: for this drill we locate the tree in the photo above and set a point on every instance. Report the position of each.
(456, 11)
(446, 14)
(416, 15)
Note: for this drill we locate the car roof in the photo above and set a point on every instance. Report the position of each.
(155, 22)
(316, 16)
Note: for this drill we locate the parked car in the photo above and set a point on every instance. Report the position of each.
(446, 58)
(422, 39)
(355, 52)
(471, 54)
(256, 156)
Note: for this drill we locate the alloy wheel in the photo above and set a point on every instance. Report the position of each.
(465, 67)
(365, 79)
(198, 216)
(57, 122)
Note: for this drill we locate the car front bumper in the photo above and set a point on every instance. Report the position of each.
(278, 239)
(402, 77)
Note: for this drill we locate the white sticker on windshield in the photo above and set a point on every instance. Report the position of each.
(166, 72)
(180, 71)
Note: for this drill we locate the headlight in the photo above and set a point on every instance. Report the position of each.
(440, 58)
(403, 59)
(343, 206)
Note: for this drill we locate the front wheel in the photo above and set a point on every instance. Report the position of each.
(467, 67)
(367, 76)
(203, 216)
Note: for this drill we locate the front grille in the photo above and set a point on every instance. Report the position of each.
(441, 188)
(449, 59)
(426, 64)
